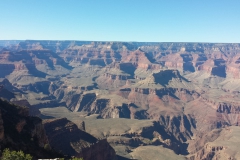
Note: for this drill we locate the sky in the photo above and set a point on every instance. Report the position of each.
(121, 20)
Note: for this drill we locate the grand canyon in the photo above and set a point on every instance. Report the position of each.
(124, 100)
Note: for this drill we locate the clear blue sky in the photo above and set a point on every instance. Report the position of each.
(121, 20)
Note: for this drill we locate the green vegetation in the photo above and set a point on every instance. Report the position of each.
(15, 155)
(47, 147)
(19, 155)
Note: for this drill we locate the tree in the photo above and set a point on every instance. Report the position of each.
(15, 155)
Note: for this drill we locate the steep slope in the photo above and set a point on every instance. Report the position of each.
(18, 131)
(65, 137)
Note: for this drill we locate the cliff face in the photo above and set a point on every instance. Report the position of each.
(65, 136)
(100, 150)
(18, 131)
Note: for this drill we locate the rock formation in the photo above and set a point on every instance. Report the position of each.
(65, 137)
(18, 131)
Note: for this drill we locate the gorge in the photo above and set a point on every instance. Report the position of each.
(139, 100)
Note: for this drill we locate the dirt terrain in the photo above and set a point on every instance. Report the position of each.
(149, 100)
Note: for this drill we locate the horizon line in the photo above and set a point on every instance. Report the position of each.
(115, 41)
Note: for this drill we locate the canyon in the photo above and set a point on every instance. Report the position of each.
(128, 100)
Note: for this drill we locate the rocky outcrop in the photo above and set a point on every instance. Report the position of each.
(104, 107)
(65, 136)
(207, 66)
(173, 61)
(116, 77)
(113, 111)
(100, 150)
(180, 127)
(228, 108)
(156, 97)
(99, 62)
(112, 81)
(37, 87)
(83, 102)
(165, 76)
(18, 131)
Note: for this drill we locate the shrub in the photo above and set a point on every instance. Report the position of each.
(15, 155)
(47, 147)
